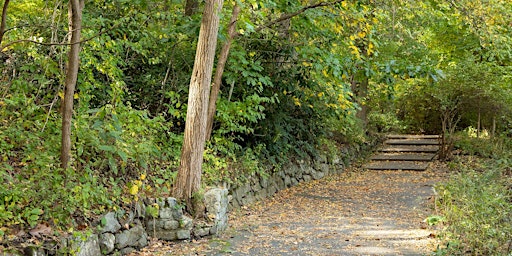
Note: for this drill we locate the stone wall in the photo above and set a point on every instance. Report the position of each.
(302, 170)
(123, 232)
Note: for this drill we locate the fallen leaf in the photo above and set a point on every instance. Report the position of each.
(41, 229)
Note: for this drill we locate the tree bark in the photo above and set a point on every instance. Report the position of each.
(221, 63)
(362, 113)
(188, 180)
(75, 20)
(191, 7)
(4, 17)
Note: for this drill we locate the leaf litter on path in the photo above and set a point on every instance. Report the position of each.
(353, 213)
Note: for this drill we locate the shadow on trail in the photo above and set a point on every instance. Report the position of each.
(354, 213)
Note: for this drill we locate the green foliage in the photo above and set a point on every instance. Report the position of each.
(497, 147)
(385, 122)
(476, 201)
(475, 204)
(289, 89)
(434, 220)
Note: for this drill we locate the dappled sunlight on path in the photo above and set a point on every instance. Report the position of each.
(354, 213)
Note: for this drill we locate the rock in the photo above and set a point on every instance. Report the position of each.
(287, 181)
(186, 222)
(317, 175)
(107, 242)
(143, 241)
(271, 190)
(256, 187)
(336, 160)
(140, 210)
(166, 213)
(248, 199)
(183, 234)
(216, 201)
(264, 182)
(130, 237)
(87, 247)
(280, 184)
(161, 202)
(171, 224)
(155, 224)
(306, 178)
(109, 223)
(201, 232)
(294, 181)
(126, 250)
(237, 195)
(166, 235)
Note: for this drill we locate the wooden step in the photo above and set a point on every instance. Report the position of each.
(403, 157)
(410, 148)
(412, 142)
(397, 165)
(408, 136)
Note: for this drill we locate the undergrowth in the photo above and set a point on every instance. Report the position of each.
(476, 202)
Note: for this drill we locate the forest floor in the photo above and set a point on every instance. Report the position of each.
(357, 212)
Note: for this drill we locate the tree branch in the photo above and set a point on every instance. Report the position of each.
(293, 14)
(4, 16)
(58, 44)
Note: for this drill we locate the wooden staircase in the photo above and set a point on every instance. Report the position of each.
(405, 152)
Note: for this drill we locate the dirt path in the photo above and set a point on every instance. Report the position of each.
(354, 213)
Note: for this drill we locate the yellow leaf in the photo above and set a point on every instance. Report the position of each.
(61, 94)
(296, 101)
(134, 190)
(75, 96)
(143, 176)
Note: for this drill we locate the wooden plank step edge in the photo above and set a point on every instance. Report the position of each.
(412, 136)
(416, 142)
(396, 166)
(404, 157)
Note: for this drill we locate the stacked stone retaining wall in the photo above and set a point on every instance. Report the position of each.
(119, 233)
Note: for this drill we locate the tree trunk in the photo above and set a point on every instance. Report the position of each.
(362, 92)
(359, 86)
(188, 180)
(4, 17)
(75, 20)
(221, 63)
(191, 7)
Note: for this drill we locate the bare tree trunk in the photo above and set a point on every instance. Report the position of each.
(191, 7)
(4, 17)
(75, 19)
(362, 92)
(221, 63)
(188, 180)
